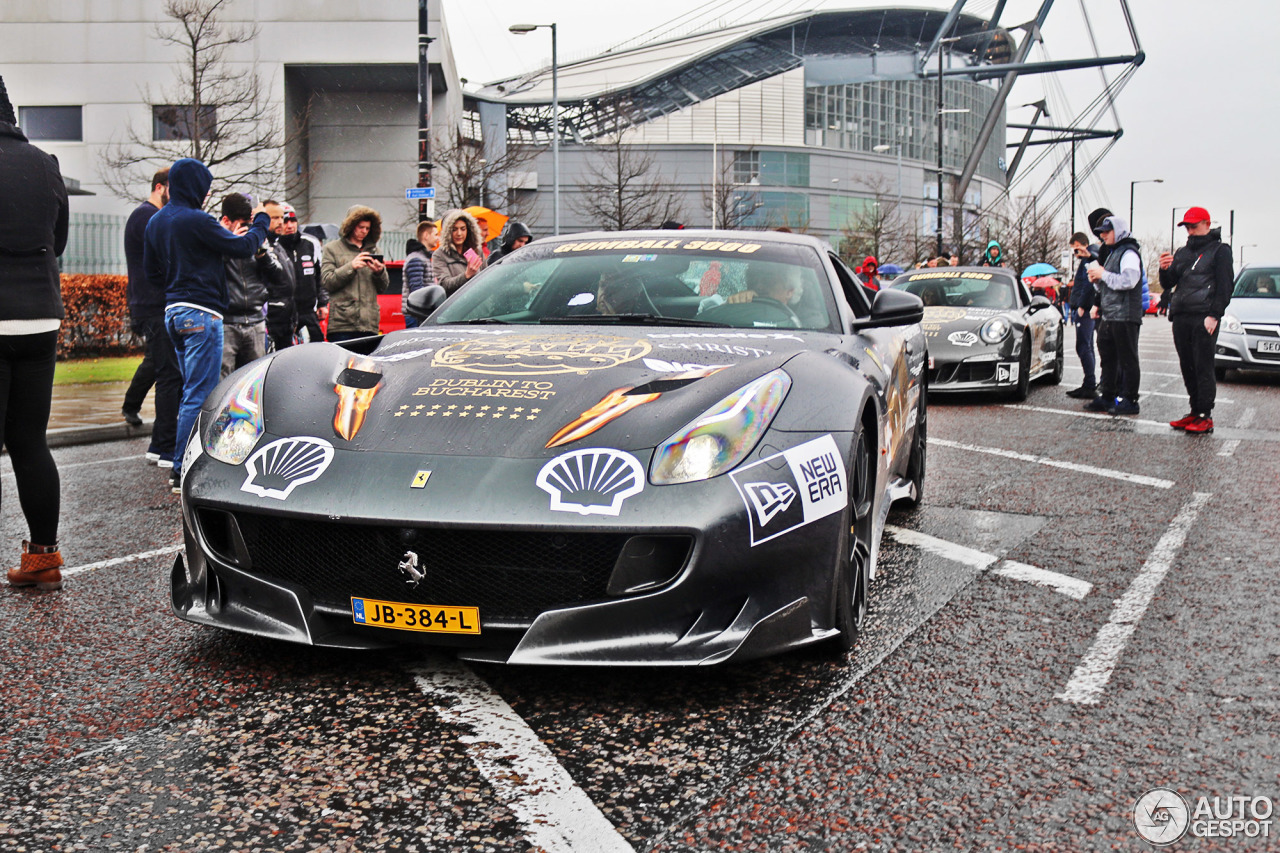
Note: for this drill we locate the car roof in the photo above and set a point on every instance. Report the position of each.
(694, 234)
(942, 272)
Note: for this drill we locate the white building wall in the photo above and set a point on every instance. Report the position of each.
(104, 55)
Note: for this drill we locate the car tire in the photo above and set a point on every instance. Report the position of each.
(1059, 366)
(854, 572)
(1023, 387)
(919, 454)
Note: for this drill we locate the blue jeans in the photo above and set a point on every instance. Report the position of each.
(1084, 348)
(197, 340)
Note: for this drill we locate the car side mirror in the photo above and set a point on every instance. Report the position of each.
(425, 300)
(1039, 303)
(892, 308)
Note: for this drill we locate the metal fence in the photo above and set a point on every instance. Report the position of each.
(95, 244)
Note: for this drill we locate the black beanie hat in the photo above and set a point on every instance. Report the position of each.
(6, 108)
(1096, 217)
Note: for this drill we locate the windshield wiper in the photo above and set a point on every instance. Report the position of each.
(629, 320)
(476, 322)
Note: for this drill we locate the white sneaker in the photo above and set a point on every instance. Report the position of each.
(152, 457)
(164, 463)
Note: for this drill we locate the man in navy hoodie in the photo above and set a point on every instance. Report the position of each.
(184, 251)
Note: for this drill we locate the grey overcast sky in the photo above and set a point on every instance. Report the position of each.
(1200, 112)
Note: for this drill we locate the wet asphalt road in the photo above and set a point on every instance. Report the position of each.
(979, 711)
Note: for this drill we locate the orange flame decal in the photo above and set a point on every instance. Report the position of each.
(615, 404)
(353, 403)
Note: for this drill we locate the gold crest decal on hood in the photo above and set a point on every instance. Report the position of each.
(534, 356)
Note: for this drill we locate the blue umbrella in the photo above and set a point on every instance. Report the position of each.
(1039, 269)
(890, 269)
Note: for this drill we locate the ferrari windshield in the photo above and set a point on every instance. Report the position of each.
(738, 283)
(1258, 284)
(960, 289)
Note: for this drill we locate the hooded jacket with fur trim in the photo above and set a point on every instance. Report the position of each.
(353, 293)
(448, 264)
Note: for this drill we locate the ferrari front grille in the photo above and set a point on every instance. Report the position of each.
(511, 575)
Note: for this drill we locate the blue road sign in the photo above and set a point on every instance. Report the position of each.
(420, 192)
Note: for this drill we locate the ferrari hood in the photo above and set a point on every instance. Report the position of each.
(487, 392)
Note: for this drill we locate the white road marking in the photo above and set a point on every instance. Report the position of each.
(1078, 414)
(557, 815)
(1246, 421)
(1181, 396)
(132, 558)
(65, 466)
(1144, 372)
(1094, 671)
(1139, 479)
(1065, 584)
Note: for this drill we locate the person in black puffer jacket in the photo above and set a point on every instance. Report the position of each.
(1197, 282)
(34, 217)
(1118, 279)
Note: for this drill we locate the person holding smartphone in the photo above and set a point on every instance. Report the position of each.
(353, 272)
(1080, 304)
(459, 257)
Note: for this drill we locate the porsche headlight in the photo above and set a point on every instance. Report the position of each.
(995, 330)
(723, 435)
(238, 424)
(1231, 324)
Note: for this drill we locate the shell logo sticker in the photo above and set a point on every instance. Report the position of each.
(593, 481)
(276, 469)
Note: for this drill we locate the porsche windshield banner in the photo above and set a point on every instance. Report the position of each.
(811, 485)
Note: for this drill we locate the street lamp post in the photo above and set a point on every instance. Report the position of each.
(941, 112)
(521, 29)
(1132, 184)
(881, 149)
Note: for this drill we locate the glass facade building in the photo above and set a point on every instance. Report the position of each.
(862, 116)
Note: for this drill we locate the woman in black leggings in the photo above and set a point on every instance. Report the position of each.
(33, 232)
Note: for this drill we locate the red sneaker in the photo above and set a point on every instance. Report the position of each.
(1184, 421)
(1200, 425)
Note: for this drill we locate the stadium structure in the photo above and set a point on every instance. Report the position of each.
(822, 121)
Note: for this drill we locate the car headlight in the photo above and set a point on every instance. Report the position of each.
(238, 425)
(723, 435)
(1231, 324)
(995, 330)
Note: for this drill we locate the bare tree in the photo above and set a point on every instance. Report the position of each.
(463, 177)
(880, 227)
(622, 188)
(730, 205)
(1031, 235)
(216, 111)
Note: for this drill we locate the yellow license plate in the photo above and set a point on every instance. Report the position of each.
(430, 618)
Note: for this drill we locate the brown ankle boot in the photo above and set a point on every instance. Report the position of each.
(40, 567)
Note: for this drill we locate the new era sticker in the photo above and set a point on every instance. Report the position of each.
(811, 486)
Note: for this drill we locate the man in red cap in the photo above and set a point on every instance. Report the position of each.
(1197, 282)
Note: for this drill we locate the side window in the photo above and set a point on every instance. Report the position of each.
(854, 293)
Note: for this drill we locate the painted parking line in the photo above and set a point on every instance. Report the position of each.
(1246, 420)
(557, 815)
(67, 465)
(1079, 414)
(1078, 369)
(1093, 673)
(132, 558)
(1139, 479)
(1065, 584)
